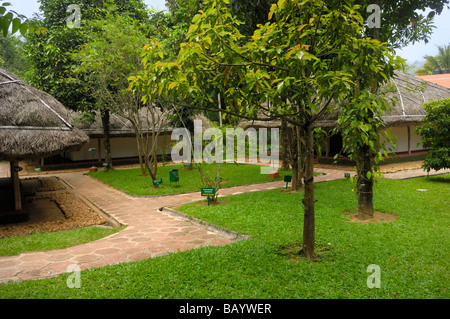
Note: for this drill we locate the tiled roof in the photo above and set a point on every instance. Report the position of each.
(439, 79)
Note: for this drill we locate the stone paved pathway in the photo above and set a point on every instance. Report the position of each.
(150, 232)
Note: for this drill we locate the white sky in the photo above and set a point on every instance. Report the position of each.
(412, 53)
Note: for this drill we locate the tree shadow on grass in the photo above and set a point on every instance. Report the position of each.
(439, 179)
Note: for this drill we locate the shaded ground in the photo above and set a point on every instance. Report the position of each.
(378, 217)
(388, 168)
(51, 207)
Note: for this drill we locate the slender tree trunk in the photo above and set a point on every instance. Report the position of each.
(308, 200)
(364, 185)
(141, 161)
(294, 160)
(301, 158)
(284, 145)
(105, 115)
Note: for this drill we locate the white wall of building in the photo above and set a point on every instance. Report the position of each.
(121, 147)
(401, 132)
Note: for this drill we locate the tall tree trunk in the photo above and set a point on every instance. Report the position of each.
(364, 185)
(105, 115)
(308, 200)
(284, 145)
(294, 160)
(141, 161)
(301, 157)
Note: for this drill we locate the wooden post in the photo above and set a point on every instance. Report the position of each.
(99, 149)
(16, 186)
(327, 152)
(409, 140)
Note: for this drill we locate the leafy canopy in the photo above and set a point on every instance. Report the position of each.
(435, 133)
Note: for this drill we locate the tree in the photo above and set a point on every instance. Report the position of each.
(397, 25)
(52, 66)
(437, 62)
(12, 22)
(106, 62)
(401, 22)
(13, 54)
(435, 133)
(298, 60)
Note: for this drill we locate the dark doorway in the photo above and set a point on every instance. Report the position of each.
(335, 144)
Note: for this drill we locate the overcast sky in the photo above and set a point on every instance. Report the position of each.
(412, 53)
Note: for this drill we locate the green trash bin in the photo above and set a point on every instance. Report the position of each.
(173, 176)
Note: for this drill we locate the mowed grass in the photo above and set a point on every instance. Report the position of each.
(412, 252)
(54, 240)
(132, 182)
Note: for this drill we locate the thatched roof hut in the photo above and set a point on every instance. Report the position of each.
(120, 126)
(409, 94)
(33, 125)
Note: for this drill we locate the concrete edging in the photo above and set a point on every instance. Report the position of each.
(225, 232)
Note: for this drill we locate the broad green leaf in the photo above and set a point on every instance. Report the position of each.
(16, 23)
(24, 28)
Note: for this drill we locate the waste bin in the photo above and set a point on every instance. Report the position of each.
(173, 176)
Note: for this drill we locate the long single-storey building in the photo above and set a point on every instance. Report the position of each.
(409, 94)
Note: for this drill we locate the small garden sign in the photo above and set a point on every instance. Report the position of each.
(208, 192)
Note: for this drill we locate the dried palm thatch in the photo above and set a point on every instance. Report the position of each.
(121, 126)
(408, 94)
(33, 124)
(406, 91)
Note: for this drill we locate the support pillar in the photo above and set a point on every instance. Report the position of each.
(409, 140)
(16, 186)
(327, 150)
(99, 149)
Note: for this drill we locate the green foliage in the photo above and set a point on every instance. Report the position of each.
(402, 22)
(12, 22)
(14, 55)
(109, 56)
(438, 62)
(275, 64)
(55, 11)
(435, 133)
(52, 66)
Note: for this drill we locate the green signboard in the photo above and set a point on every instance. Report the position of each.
(208, 191)
(156, 182)
(287, 179)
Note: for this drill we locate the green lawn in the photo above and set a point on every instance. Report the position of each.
(55, 240)
(132, 182)
(412, 252)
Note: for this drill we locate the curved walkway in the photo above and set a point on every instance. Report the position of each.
(150, 232)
